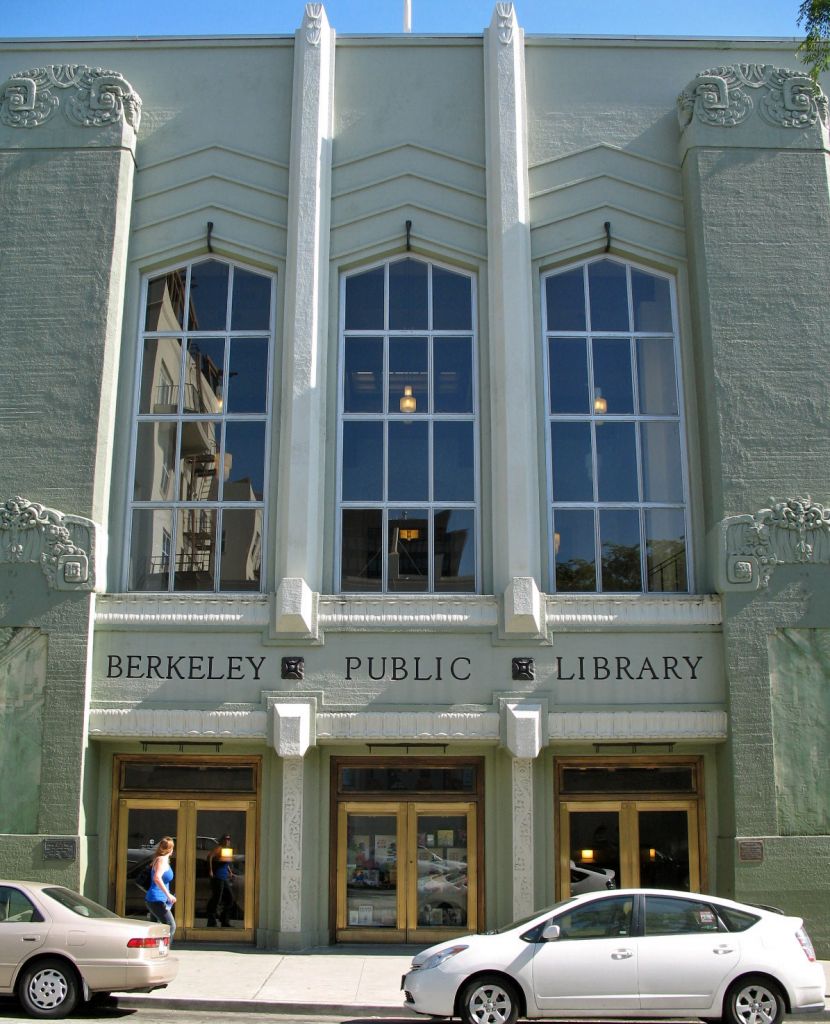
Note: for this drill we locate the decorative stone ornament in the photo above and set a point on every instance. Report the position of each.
(89, 97)
(792, 532)
(726, 96)
(62, 545)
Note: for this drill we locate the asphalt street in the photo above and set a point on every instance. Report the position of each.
(113, 1014)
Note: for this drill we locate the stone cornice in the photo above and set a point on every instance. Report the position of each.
(178, 723)
(624, 726)
(596, 612)
(181, 611)
(462, 614)
(88, 97)
(416, 614)
(631, 726)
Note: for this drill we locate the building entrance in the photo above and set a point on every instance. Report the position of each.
(215, 856)
(629, 823)
(406, 851)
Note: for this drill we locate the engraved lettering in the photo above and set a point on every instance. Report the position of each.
(352, 665)
(455, 675)
(194, 658)
(153, 663)
(601, 665)
(235, 667)
(256, 665)
(622, 667)
(693, 666)
(647, 666)
(114, 670)
(670, 665)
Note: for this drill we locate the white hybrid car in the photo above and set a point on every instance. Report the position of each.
(628, 953)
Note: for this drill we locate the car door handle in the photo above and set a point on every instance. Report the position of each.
(621, 954)
(721, 950)
(30, 938)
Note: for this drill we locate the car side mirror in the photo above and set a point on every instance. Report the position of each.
(551, 932)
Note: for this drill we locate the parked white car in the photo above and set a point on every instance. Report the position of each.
(640, 953)
(58, 947)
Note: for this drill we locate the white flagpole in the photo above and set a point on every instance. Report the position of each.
(407, 15)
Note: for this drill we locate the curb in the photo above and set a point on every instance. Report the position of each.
(143, 1002)
(343, 1011)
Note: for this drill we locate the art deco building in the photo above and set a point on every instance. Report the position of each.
(413, 463)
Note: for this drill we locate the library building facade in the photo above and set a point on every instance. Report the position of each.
(413, 475)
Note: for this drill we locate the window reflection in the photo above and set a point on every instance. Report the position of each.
(362, 561)
(201, 433)
(455, 555)
(616, 451)
(409, 548)
(408, 430)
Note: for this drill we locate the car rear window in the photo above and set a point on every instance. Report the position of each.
(78, 904)
(736, 920)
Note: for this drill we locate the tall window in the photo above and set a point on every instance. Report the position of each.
(408, 483)
(200, 453)
(616, 451)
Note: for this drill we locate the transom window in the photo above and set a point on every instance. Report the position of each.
(616, 468)
(408, 481)
(200, 453)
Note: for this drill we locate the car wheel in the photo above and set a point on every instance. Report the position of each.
(753, 1000)
(48, 989)
(489, 1000)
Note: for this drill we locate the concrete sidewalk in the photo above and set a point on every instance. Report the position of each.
(358, 981)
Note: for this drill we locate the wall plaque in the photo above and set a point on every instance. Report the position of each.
(751, 850)
(60, 849)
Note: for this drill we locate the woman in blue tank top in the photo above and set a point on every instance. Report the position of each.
(159, 899)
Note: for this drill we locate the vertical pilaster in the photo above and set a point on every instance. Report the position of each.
(67, 156)
(292, 845)
(303, 426)
(523, 882)
(755, 181)
(522, 729)
(515, 484)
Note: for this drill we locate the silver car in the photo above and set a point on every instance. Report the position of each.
(58, 947)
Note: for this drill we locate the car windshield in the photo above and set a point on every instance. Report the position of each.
(78, 904)
(530, 917)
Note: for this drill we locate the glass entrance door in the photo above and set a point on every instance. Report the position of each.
(625, 843)
(406, 871)
(213, 862)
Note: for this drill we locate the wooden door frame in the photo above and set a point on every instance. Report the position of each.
(187, 803)
(336, 798)
(693, 802)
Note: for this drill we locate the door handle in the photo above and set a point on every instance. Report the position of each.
(621, 954)
(720, 950)
(30, 938)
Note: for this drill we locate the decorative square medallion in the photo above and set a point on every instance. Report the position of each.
(524, 669)
(293, 668)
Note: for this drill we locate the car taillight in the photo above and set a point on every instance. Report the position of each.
(806, 944)
(148, 942)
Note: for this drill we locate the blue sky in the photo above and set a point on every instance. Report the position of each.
(220, 17)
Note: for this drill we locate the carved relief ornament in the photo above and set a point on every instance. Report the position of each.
(89, 97)
(504, 18)
(726, 96)
(791, 532)
(313, 23)
(62, 545)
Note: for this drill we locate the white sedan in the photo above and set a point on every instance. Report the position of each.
(628, 953)
(57, 947)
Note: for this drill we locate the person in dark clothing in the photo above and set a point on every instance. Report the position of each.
(220, 871)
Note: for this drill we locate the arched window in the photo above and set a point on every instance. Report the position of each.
(408, 477)
(616, 453)
(201, 443)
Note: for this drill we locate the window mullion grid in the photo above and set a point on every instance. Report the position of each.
(592, 426)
